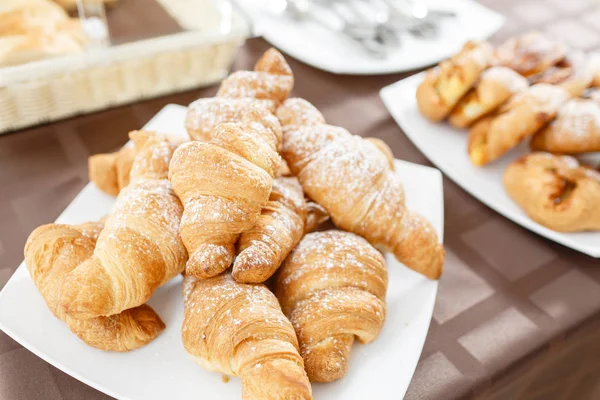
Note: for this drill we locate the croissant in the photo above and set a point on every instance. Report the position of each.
(110, 171)
(530, 54)
(223, 185)
(575, 130)
(279, 228)
(496, 85)
(555, 191)
(444, 85)
(352, 179)
(139, 249)
(521, 117)
(268, 85)
(239, 329)
(332, 287)
(52, 251)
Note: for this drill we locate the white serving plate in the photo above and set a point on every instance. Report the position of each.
(446, 147)
(331, 51)
(163, 370)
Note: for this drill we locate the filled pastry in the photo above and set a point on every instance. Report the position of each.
(52, 251)
(444, 85)
(530, 54)
(555, 191)
(239, 329)
(332, 287)
(521, 117)
(575, 130)
(495, 87)
(573, 73)
(352, 179)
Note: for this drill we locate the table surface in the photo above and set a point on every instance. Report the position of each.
(506, 296)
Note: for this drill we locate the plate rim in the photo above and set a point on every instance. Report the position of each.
(520, 219)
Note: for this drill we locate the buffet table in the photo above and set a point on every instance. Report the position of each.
(517, 316)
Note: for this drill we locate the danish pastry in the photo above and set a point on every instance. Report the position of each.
(555, 191)
(522, 116)
(445, 84)
(495, 87)
(575, 130)
(530, 54)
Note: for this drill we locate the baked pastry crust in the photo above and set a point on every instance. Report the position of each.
(445, 84)
(353, 180)
(496, 86)
(332, 287)
(239, 329)
(573, 73)
(530, 54)
(555, 191)
(521, 117)
(575, 130)
(52, 251)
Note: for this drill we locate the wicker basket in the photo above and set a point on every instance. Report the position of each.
(52, 89)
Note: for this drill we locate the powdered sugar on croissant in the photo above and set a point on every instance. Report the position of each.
(268, 85)
(223, 185)
(239, 329)
(332, 287)
(139, 249)
(353, 180)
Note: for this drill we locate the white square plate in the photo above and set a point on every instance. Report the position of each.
(334, 52)
(446, 147)
(163, 370)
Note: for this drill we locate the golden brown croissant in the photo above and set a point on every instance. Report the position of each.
(110, 171)
(223, 185)
(352, 179)
(573, 73)
(530, 54)
(444, 85)
(497, 84)
(54, 250)
(521, 117)
(555, 191)
(279, 228)
(575, 130)
(239, 329)
(139, 249)
(268, 85)
(332, 287)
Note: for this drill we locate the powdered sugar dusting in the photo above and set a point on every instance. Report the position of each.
(548, 98)
(507, 77)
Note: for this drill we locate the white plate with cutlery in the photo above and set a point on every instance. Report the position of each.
(446, 147)
(163, 370)
(313, 31)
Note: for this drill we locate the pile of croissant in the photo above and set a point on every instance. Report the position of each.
(529, 88)
(232, 209)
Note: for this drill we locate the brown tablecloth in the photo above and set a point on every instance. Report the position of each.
(517, 316)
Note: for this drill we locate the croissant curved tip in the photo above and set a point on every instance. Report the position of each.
(252, 267)
(209, 260)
